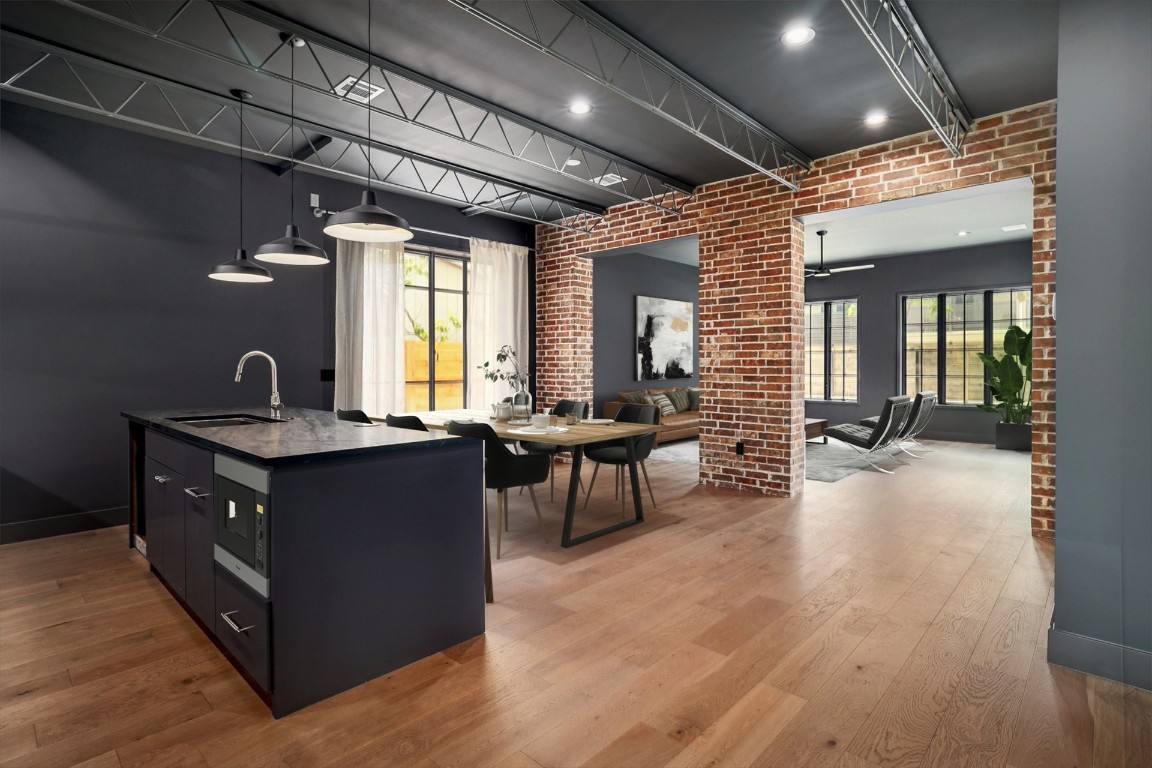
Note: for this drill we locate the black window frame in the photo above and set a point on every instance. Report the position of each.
(828, 355)
(432, 254)
(991, 345)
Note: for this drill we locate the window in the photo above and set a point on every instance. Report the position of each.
(435, 300)
(944, 332)
(830, 344)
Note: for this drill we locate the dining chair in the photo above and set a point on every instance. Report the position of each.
(503, 470)
(353, 414)
(615, 452)
(405, 422)
(563, 408)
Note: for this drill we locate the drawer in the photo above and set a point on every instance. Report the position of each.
(242, 627)
(165, 450)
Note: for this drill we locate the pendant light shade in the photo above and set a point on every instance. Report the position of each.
(368, 223)
(291, 249)
(241, 270)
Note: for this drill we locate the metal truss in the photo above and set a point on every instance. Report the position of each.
(240, 34)
(573, 33)
(894, 33)
(56, 75)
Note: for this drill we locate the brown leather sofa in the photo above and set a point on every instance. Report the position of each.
(675, 426)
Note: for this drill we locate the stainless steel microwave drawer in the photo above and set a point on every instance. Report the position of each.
(242, 618)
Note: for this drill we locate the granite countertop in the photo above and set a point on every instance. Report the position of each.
(306, 435)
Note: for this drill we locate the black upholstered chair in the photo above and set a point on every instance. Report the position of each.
(871, 441)
(504, 469)
(922, 408)
(405, 422)
(353, 415)
(563, 408)
(615, 452)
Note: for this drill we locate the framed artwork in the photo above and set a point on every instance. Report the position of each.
(665, 335)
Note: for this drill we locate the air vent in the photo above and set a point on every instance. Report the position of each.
(355, 89)
(608, 179)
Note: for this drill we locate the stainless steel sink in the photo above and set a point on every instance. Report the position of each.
(227, 420)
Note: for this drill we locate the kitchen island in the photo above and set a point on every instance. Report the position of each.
(317, 553)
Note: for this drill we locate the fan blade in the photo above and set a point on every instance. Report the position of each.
(852, 269)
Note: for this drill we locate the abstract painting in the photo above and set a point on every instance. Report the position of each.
(665, 338)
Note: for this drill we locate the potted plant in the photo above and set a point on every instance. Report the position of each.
(1010, 382)
(517, 379)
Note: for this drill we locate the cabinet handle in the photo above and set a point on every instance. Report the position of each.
(162, 479)
(192, 492)
(228, 619)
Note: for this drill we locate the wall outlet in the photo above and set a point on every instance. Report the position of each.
(740, 448)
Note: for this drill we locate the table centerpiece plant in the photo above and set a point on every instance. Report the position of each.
(516, 378)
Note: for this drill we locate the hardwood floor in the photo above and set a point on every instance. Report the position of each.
(876, 622)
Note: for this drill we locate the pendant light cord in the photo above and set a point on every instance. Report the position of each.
(367, 106)
(240, 154)
(292, 142)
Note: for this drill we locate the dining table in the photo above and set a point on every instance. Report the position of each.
(574, 436)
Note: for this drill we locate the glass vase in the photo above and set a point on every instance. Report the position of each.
(522, 405)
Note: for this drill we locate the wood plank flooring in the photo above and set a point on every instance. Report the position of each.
(876, 622)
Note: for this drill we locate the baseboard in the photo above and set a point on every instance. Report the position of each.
(62, 524)
(1100, 658)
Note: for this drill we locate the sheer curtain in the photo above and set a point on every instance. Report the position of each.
(370, 327)
(497, 315)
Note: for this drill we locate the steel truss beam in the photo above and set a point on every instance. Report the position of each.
(894, 33)
(573, 33)
(249, 37)
(59, 76)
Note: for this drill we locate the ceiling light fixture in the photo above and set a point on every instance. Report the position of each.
(291, 249)
(962, 233)
(240, 269)
(571, 162)
(798, 35)
(875, 117)
(1014, 228)
(580, 107)
(368, 222)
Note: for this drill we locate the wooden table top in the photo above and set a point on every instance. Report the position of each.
(580, 433)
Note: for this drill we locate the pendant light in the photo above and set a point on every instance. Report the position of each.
(292, 249)
(240, 269)
(368, 222)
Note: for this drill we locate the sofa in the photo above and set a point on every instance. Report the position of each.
(675, 426)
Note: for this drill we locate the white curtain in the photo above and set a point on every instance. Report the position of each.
(497, 315)
(370, 327)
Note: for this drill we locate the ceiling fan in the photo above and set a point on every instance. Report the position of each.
(823, 271)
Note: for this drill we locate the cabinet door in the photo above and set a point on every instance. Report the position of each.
(164, 508)
(199, 535)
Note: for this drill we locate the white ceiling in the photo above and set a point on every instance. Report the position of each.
(913, 225)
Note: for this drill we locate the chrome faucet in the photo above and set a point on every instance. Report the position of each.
(276, 404)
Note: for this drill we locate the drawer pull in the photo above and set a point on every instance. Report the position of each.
(228, 619)
(192, 492)
(162, 479)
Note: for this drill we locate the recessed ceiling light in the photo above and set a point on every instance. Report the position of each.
(797, 35)
(1013, 227)
(875, 117)
(962, 233)
(579, 107)
(571, 162)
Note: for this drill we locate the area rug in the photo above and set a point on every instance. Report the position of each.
(824, 463)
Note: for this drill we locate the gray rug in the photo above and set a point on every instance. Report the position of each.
(825, 463)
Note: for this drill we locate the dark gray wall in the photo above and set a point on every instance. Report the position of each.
(616, 282)
(107, 238)
(1103, 601)
(878, 313)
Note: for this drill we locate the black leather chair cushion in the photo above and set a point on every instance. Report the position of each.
(502, 468)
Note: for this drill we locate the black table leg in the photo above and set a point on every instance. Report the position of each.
(574, 485)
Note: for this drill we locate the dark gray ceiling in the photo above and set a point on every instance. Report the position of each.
(999, 55)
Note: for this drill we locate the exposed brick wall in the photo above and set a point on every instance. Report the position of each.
(752, 291)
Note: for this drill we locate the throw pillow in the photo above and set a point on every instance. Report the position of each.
(640, 397)
(679, 398)
(665, 405)
(693, 399)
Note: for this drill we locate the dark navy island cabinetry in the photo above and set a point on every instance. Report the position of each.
(318, 554)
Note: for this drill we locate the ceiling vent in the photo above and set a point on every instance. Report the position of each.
(355, 89)
(608, 179)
